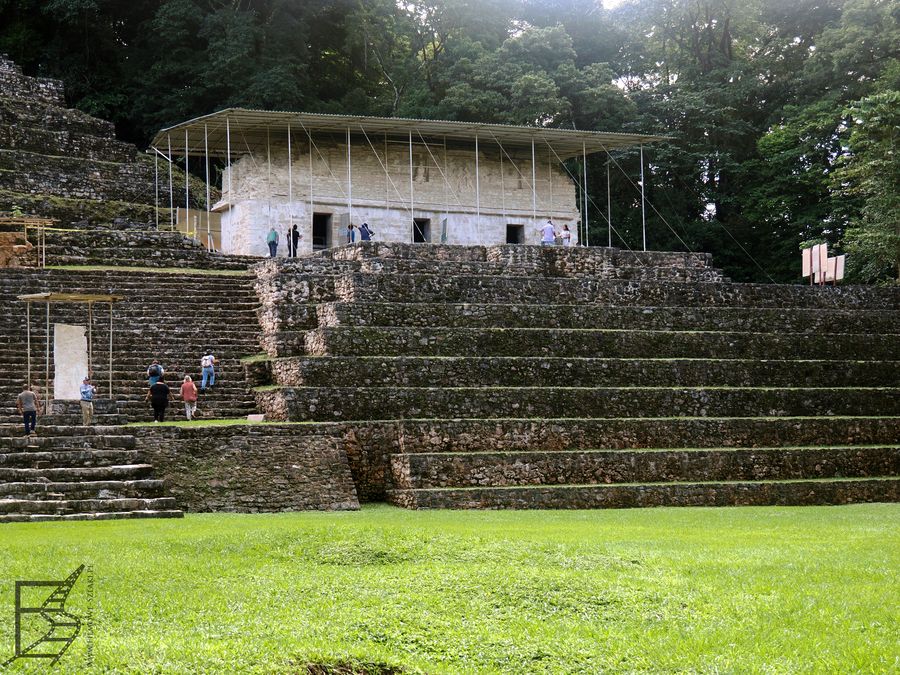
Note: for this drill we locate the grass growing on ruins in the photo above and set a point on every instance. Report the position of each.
(735, 590)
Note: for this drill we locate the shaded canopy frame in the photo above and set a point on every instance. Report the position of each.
(86, 298)
(211, 136)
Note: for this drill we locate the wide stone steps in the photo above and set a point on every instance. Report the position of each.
(82, 489)
(161, 510)
(427, 315)
(436, 288)
(51, 117)
(9, 508)
(381, 403)
(564, 467)
(593, 343)
(18, 136)
(712, 493)
(557, 433)
(59, 474)
(551, 371)
(61, 460)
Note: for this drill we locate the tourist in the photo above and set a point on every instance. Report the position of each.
(208, 369)
(189, 396)
(548, 234)
(351, 234)
(87, 392)
(272, 241)
(566, 236)
(365, 234)
(154, 372)
(28, 404)
(159, 396)
(295, 240)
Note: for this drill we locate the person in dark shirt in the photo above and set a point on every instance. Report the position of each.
(295, 240)
(159, 396)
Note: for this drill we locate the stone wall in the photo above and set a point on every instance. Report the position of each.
(250, 468)
(443, 187)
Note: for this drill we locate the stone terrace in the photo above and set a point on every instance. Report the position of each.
(525, 377)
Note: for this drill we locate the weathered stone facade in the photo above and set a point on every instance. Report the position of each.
(251, 468)
(378, 190)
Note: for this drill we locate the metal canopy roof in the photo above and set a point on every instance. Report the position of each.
(70, 297)
(252, 130)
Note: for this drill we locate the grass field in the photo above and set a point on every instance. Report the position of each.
(767, 590)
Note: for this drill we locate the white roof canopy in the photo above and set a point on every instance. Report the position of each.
(253, 130)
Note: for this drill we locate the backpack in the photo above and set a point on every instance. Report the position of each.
(154, 371)
(206, 361)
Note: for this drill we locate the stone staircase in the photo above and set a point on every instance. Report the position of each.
(521, 377)
(171, 317)
(71, 473)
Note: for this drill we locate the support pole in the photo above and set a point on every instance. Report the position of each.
(228, 151)
(90, 339)
(208, 206)
(587, 236)
(502, 189)
(28, 340)
(533, 185)
(269, 185)
(349, 180)
(171, 187)
(47, 358)
(110, 351)
(290, 181)
(311, 186)
(156, 184)
(643, 201)
(412, 200)
(477, 184)
(608, 203)
(187, 201)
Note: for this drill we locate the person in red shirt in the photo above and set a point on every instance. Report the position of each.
(189, 396)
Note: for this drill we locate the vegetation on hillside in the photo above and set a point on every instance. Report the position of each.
(783, 116)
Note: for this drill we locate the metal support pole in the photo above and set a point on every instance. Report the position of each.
(269, 184)
(110, 351)
(171, 187)
(90, 339)
(156, 184)
(643, 201)
(208, 205)
(228, 151)
(502, 189)
(28, 340)
(412, 200)
(290, 180)
(477, 184)
(349, 180)
(47, 358)
(587, 236)
(311, 186)
(533, 185)
(187, 201)
(608, 203)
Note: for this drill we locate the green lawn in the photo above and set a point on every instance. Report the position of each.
(768, 590)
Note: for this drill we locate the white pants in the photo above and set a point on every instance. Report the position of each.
(190, 409)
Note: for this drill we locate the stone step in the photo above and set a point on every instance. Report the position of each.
(558, 433)
(757, 320)
(515, 371)
(386, 403)
(52, 116)
(538, 259)
(45, 141)
(530, 290)
(386, 341)
(66, 459)
(54, 437)
(61, 507)
(102, 489)
(33, 90)
(569, 467)
(108, 515)
(68, 474)
(70, 210)
(721, 493)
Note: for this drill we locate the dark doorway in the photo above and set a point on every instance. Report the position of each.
(321, 231)
(421, 230)
(515, 234)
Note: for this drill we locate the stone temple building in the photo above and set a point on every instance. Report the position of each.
(415, 181)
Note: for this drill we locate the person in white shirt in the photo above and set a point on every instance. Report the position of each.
(548, 234)
(566, 236)
(208, 370)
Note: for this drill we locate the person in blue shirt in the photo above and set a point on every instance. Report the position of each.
(87, 391)
(272, 241)
(365, 234)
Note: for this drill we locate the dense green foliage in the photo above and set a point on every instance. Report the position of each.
(750, 590)
(783, 115)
